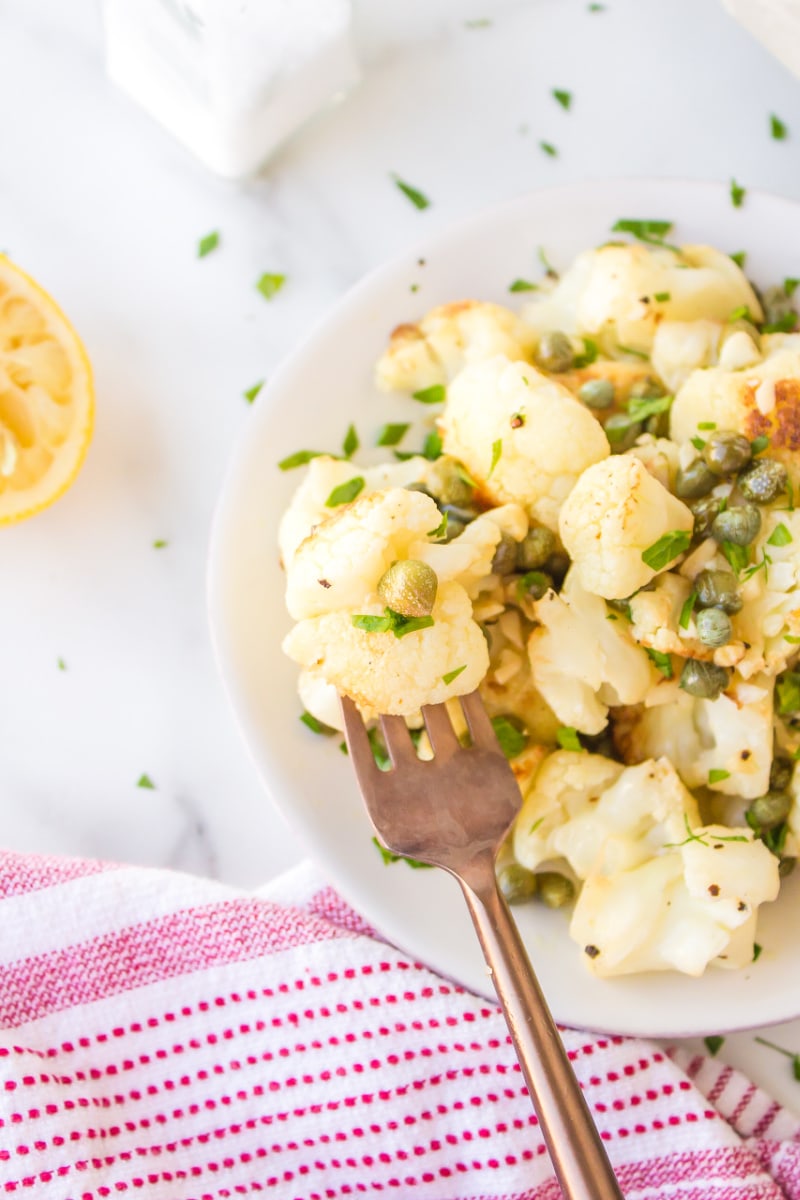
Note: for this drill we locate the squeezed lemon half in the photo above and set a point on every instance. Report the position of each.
(46, 398)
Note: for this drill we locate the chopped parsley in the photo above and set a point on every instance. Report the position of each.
(687, 610)
(451, 675)
(563, 98)
(695, 837)
(714, 1044)
(738, 194)
(790, 286)
(757, 948)
(389, 858)
(742, 313)
(661, 661)
(435, 394)
(737, 556)
(345, 492)
(316, 726)
(523, 285)
(777, 128)
(441, 528)
(390, 622)
(650, 231)
(788, 637)
(392, 435)
(549, 269)
(784, 324)
(299, 459)
(780, 536)
(417, 198)
(269, 285)
(478, 23)
(697, 442)
(432, 446)
(597, 8)
(497, 450)
(740, 258)
(144, 781)
(764, 565)
(568, 739)
(253, 391)
(512, 740)
(666, 549)
(632, 351)
(207, 244)
(549, 149)
(590, 353)
(662, 297)
(707, 425)
(717, 774)
(351, 442)
(160, 543)
(788, 1053)
(788, 690)
(759, 444)
(62, 666)
(639, 409)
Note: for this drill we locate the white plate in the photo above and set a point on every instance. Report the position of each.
(326, 384)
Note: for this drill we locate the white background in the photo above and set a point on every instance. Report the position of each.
(105, 209)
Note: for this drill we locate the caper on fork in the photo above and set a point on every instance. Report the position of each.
(454, 812)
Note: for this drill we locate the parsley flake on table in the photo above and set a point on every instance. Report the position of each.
(451, 675)
(389, 858)
(512, 740)
(207, 244)
(299, 459)
(777, 128)
(738, 194)
(345, 492)
(351, 442)
(269, 285)
(714, 1044)
(787, 1053)
(549, 149)
(597, 8)
(253, 391)
(435, 394)
(417, 198)
(666, 549)
(562, 97)
(160, 543)
(392, 435)
(523, 285)
(478, 23)
(62, 666)
(144, 781)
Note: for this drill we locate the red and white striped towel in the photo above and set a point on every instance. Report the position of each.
(170, 1037)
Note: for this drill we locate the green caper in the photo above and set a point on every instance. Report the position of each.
(554, 352)
(764, 480)
(713, 627)
(409, 587)
(739, 524)
(769, 811)
(533, 585)
(448, 483)
(555, 890)
(703, 679)
(726, 452)
(505, 555)
(786, 866)
(780, 774)
(646, 388)
(705, 510)
(657, 425)
(621, 433)
(597, 393)
(557, 566)
(695, 480)
(718, 589)
(536, 547)
(516, 883)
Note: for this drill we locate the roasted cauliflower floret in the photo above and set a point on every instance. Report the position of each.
(522, 436)
(724, 744)
(615, 512)
(581, 662)
(613, 290)
(384, 673)
(763, 400)
(434, 351)
(659, 889)
(680, 347)
(770, 613)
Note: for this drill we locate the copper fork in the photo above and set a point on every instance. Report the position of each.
(453, 812)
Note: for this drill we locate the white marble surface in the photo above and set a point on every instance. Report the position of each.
(106, 210)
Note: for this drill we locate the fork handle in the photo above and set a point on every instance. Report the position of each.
(576, 1149)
